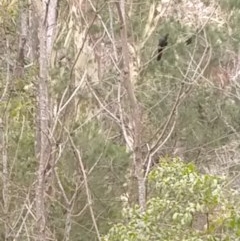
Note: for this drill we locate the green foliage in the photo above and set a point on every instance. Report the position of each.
(209, 112)
(106, 165)
(230, 4)
(180, 195)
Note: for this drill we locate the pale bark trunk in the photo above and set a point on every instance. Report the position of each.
(5, 174)
(46, 25)
(19, 68)
(135, 113)
(42, 128)
(4, 151)
(51, 24)
(34, 41)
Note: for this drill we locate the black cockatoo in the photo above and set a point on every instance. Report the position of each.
(189, 40)
(163, 42)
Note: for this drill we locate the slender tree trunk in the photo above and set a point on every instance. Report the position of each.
(135, 113)
(46, 12)
(34, 41)
(3, 147)
(5, 174)
(20, 61)
(42, 128)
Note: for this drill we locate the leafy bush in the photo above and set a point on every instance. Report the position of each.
(183, 205)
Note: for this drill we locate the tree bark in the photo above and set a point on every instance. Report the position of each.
(135, 112)
(46, 15)
(42, 128)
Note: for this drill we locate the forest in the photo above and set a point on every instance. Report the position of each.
(120, 120)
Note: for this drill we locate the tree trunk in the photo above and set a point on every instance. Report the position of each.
(46, 12)
(135, 113)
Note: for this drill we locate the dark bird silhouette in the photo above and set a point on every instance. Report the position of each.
(189, 41)
(163, 42)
